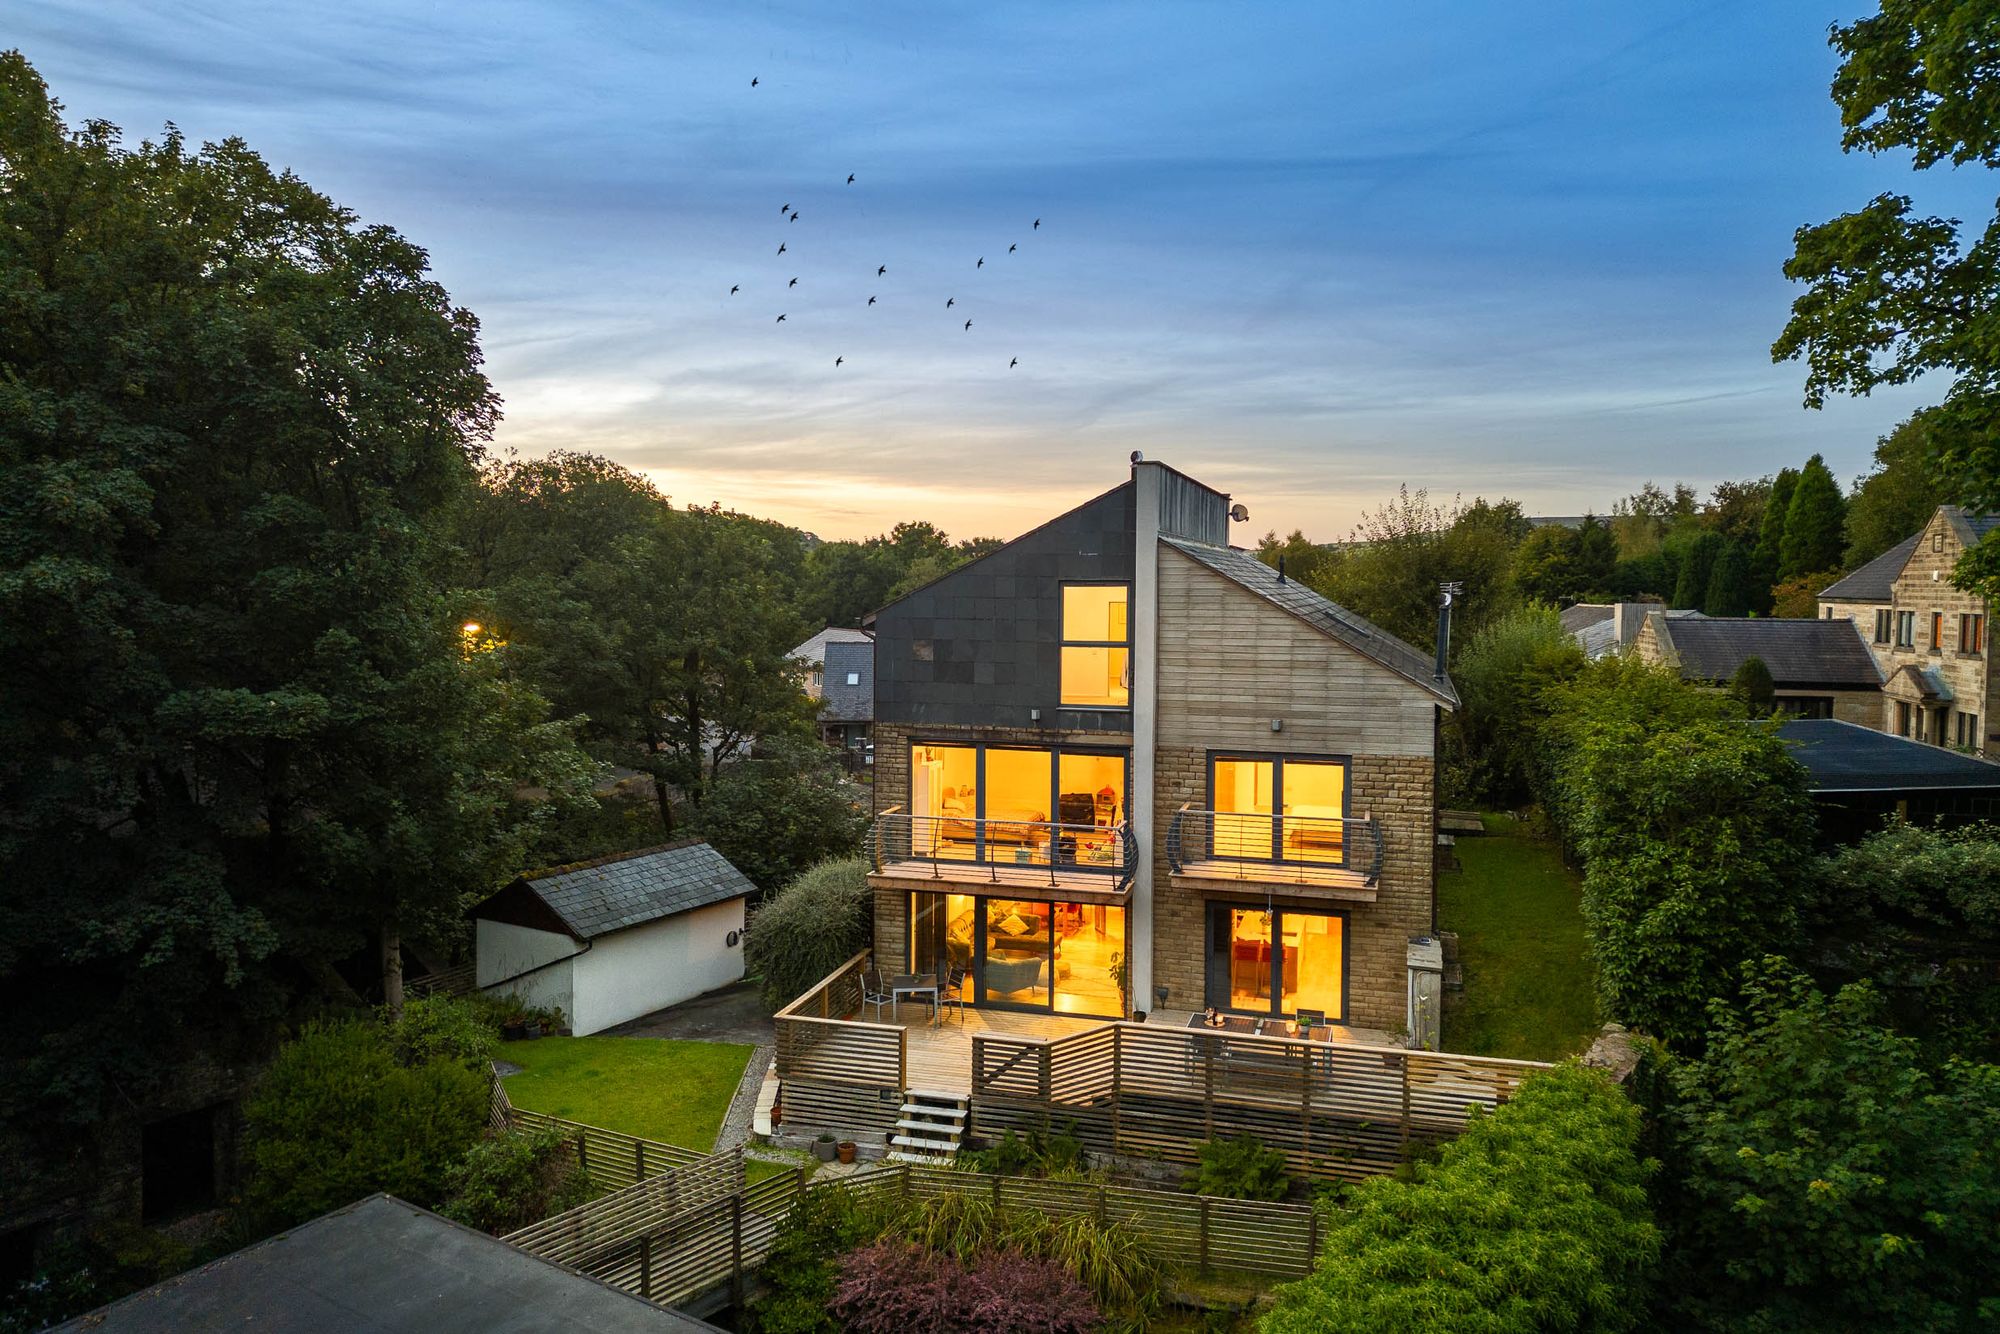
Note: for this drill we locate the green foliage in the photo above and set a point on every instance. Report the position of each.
(465, 1029)
(782, 812)
(1240, 1168)
(1900, 495)
(237, 724)
(336, 1117)
(509, 1181)
(1694, 828)
(809, 928)
(1534, 1219)
(1732, 589)
(1305, 560)
(1815, 523)
(1820, 1175)
(1548, 567)
(1753, 687)
(1399, 554)
(844, 581)
(1039, 1153)
(1697, 563)
(803, 1268)
(1767, 559)
(1891, 296)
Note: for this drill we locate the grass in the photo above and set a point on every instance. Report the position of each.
(656, 1088)
(1530, 985)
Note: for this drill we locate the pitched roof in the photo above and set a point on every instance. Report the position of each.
(1599, 639)
(1329, 618)
(596, 898)
(1800, 653)
(1581, 615)
(1874, 581)
(814, 649)
(1842, 757)
(839, 701)
(381, 1266)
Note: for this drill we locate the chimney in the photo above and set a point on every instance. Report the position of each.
(1447, 593)
(1281, 568)
(1627, 617)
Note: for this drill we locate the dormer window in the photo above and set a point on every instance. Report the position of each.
(1096, 646)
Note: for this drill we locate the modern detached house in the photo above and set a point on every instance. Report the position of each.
(1122, 766)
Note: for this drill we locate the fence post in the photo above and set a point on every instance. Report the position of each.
(1405, 1140)
(996, 1192)
(1203, 1263)
(736, 1249)
(1312, 1240)
(646, 1267)
(1117, 1079)
(1207, 1048)
(638, 1160)
(1100, 1203)
(1306, 1100)
(582, 1154)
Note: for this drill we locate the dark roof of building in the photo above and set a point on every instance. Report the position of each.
(814, 649)
(380, 1266)
(596, 898)
(1979, 525)
(1874, 581)
(1322, 614)
(1842, 757)
(1800, 653)
(1579, 615)
(839, 701)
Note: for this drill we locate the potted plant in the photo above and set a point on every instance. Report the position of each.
(552, 1022)
(823, 1147)
(514, 1026)
(846, 1150)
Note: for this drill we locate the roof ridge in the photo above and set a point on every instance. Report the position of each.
(549, 872)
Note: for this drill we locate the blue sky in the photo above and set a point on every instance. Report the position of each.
(1306, 252)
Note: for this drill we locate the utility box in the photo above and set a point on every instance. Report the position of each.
(1424, 1019)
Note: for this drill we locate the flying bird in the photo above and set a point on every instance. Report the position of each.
(795, 217)
(981, 264)
(734, 290)
(850, 178)
(1038, 224)
(871, 300)
(781, 319)
(968, 324)
(753, 83)
(838, 360)
(793, 283)
(781, 247)
(1012, 364)
(1012, 248)
(881, 270)
(950, 301)
(784, 208)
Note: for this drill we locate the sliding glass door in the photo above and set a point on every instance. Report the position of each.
(1276, 962)
(1023, 954)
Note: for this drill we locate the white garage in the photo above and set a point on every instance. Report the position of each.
(612, 939)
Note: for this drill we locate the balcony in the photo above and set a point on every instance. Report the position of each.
(1334, 855)
(1033, 859)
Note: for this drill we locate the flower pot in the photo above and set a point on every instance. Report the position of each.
(823, 1149)
(513, 1030)
(548, 1029)
(846, 1150)
(777, 1115)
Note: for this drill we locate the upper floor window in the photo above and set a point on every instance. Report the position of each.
(1906, 629)
(1882, 626)
(854, 678)
(1096, 646)
(1937, 631)
(1971, 632)
(1278, 808)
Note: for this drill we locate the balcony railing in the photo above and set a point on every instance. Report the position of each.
(1286, 849)
(1009, 852)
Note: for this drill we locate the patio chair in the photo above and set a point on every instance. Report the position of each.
(875, 990)
(951, 992)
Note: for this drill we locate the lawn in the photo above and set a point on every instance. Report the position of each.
(656, 1088)
(1529, 981)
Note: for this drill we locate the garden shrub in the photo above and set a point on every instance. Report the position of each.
(1038, 1153)
(1534, 1219)
(813, 925)
(1821, 1174)
(460, 1028)
(509, 1181)
(1240, 1168)
(337, 1117)
(777, 815)
(803, 1268)
(893, 1287)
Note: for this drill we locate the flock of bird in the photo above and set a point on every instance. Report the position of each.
(791, 215)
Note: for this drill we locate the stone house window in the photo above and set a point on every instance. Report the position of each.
(1882, 619)
(1906, 632)
(1971, 633)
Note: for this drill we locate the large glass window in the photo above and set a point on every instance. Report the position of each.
(944, 794)
(1096, 646)
(1278, 808)
(1277, 962)
(1020, 952)
(1017, 804)
(1090, 959)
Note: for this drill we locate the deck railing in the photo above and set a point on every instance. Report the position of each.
(1340, 1110)
(1281, 849)
(819, 1040)
(1004, 852)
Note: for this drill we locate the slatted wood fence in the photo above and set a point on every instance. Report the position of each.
(1336, 1110)
(613, 1159)
(839, 1073)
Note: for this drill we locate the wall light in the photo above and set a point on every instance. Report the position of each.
(1277, 724)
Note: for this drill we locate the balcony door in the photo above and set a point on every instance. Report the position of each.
(1278, 808)
(1274, 962)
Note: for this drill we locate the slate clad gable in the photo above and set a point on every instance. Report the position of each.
(595, 898)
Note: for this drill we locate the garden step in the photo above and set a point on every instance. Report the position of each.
(943, 1146)
(932, 1129)
(921, 1159)
(942, 1113)
(931, 1095)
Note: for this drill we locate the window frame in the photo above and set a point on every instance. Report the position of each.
(1215, 980)
(1055, 753)
(1937, 631)
(1063, 642)
(1277, 759)
(1885, 621)
(1906, 629)
(1972, 626)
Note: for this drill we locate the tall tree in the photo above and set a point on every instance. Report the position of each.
(1305, 560)
(1766, 559)
(1403, 551)
(1731, 590)
(1548, 566)
(239, 728)
(1596, 553)
(1697, 563)
(1891, 295)
(1814, 523)
(1736, 509)
(1899, 496)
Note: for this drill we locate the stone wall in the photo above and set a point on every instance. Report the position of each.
(1925, 587)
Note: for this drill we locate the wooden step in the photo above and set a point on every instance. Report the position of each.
(920, 1159)
(942, 1113)
(930, 1126)
(944, 1146)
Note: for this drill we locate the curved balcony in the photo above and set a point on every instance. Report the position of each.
(1021, 854)
(1316, 851)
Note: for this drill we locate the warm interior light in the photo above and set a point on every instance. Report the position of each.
(472, 627)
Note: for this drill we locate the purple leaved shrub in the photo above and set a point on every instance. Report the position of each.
(892, 1287)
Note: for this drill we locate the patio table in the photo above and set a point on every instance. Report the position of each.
(913, 985)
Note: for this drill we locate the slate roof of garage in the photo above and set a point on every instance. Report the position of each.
(598, 897)
(1842, 757)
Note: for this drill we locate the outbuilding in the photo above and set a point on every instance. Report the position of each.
(612, 939)
(1861, 778)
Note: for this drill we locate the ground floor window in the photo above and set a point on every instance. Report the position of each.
(1068, 958)
(1277, 961)
(1804, 706)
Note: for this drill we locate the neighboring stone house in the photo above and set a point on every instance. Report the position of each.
(1601, 629)
(1820, 669)
(1121, 765)
(1928, 636)
(840, 674)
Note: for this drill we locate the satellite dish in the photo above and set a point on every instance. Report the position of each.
(1239, 512)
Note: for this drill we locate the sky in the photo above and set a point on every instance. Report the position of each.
(1307, 253)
